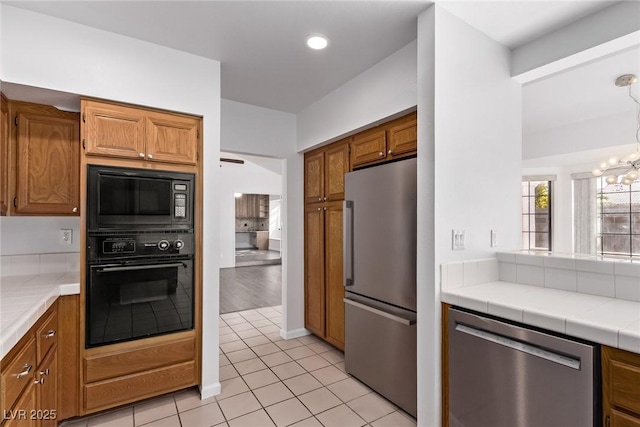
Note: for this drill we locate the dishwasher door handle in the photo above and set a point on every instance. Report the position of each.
(520, 346)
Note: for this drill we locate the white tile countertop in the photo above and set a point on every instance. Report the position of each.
(605, 311)
(24, 298)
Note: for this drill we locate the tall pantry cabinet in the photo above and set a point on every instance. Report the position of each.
(324, 171)
(324, 192)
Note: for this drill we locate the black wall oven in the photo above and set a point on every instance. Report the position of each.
(140, 254)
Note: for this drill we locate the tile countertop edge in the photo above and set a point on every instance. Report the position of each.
(68, 284)
(589, 323)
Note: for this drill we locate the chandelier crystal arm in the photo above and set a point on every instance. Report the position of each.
(625, 170)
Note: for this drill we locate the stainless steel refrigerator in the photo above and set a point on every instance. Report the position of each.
(380, 279)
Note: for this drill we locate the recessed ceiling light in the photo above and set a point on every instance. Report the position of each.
(317, 41)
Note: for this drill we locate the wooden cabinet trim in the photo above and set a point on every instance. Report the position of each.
(5, 125)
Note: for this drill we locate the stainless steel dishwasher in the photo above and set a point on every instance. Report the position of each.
(507, 375)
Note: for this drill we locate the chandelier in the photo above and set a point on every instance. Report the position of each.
(627, 169)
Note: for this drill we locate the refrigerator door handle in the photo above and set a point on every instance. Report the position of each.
(406, 322)
(347, 224)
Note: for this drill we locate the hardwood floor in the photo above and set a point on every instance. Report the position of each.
(245, 288)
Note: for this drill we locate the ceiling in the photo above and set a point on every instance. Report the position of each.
(260, 44)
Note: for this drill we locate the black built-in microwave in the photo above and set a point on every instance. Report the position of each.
(138, 199)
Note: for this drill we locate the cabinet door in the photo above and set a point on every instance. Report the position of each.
(336, 165)
(314, 177)
(47, 386)
(333, 274)
(4, 153)
(113, 130)
(48, 162)
(369, 147)
(620, 419)
(25, 408)
(314, 290)
(172, 139)
(403, 137)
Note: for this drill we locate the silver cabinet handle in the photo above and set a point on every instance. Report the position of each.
(40, 381)
(325, 208)
(141, 155)
(49, 334)
(324, 198)
(380, 154)
(319, 209)
(390, 152)
(45, 372)
(406, 322)
(319, 199)
(347, 243)
(74, 210)
(149, 156)
(25, 371)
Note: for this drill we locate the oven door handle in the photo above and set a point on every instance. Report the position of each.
(140, 267)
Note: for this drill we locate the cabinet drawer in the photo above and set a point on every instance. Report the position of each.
(118, 391)
(126, 362)
(18, 374)
(618, 419)
(625, 386)
(47, 335)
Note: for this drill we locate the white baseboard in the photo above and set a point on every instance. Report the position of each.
(210, 390)
(287, 335)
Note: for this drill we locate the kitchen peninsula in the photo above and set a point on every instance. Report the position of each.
(590, 298)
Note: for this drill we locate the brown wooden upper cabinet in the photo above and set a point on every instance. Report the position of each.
(116, 130)
(324, 171)
(395, 139)
(4, 154)
(47, 160)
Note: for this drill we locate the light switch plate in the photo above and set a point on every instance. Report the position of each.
(457, 240)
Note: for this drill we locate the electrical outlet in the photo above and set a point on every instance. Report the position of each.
(66, 236)
(494, 238)
(457, 240)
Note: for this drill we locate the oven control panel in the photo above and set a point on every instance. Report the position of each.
(180, 205)
(139, 245)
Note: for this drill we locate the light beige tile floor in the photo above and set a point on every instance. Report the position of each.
(266, 381)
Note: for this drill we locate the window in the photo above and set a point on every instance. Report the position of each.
(536, 215)
(618, 219)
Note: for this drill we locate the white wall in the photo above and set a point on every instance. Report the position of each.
(248, 178)
(21, 235)
(603, 132)
(428, 295)
(255, 130)
(477, 169)
(46, 52)
(387, 88)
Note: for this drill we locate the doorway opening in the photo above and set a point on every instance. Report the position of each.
(250, 230)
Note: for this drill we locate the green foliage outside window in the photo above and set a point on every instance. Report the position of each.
(542, 196)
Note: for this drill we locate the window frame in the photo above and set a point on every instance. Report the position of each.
(529, 215)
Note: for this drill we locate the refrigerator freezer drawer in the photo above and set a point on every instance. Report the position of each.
(380, 350)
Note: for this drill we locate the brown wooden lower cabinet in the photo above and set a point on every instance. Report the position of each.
(31, 378)
(324, 293)
(130, 388)
(620, 388)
